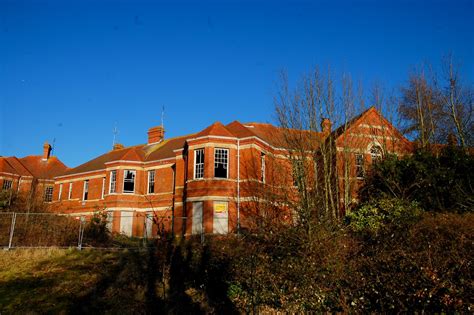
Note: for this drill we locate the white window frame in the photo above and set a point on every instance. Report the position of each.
(376, 156)
(48, 193)
(199, 166)
(113, 182)
(7, 184)
(151, 179)
(103, 188)
(60, 191)
(262, 168)
(216, 157)
(133, 180)
(359, 164)
(85, 190)
(69, 195)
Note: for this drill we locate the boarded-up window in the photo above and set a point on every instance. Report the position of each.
(126, 222)
(197, 227)
(221, 217)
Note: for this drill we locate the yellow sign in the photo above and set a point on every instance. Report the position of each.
(220, 207)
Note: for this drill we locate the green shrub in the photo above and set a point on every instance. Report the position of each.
(438, 182)
(372, 217)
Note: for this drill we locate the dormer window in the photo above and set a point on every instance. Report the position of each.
(129, 181)
(221, 163)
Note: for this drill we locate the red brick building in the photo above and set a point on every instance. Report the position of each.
(201, 183)
(30, 178)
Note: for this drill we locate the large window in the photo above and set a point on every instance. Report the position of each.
(376, 154)
(129, 181)
(151, 182)
(85, 194)
(48, 194)
(359, 164)
(221, 163)
(7, 184)
(199, 163)
(113, 182)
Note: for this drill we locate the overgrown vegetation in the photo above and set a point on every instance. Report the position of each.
(437, 182)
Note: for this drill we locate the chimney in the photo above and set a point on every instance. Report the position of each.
(156, 134)
(326, 125)
(46, 151)
(117, 146)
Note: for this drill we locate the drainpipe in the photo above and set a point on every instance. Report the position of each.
(174, 194)
(238, 186)
(184, 220)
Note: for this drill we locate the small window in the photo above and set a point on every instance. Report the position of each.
(298, 172)
(60, 191)
(7, 184)
(113, 182)
(262, 168)
(199, 163)
(359, 163)
(129, 181)
(48, 194)
(376, 154)
(69, 195)
(85, 194)
(221, 163)
(151, 182)
(103, 188)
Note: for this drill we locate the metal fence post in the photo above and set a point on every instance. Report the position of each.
(81, 233)
(12, 230)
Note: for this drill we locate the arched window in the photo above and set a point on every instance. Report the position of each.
(376, 153)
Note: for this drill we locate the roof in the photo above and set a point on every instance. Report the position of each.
(139, 153)
(277, 137)
(98, 163)
(33, 166)
(20, 169)
(216, 129)
(43, 169)
(282, 137)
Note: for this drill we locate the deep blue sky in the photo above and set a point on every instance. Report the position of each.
(70, 70)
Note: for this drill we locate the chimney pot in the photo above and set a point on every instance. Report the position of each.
(156, 134)
(46, 151)
(118, 146)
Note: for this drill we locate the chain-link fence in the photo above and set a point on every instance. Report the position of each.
(109, 229)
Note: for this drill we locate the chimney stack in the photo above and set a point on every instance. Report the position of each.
(156, 134)
(117, 146)
(326, 125)
(46, 151)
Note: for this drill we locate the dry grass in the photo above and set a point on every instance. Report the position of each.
(55, 280)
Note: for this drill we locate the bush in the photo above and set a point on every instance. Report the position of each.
(437, 182)
(382, 214)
